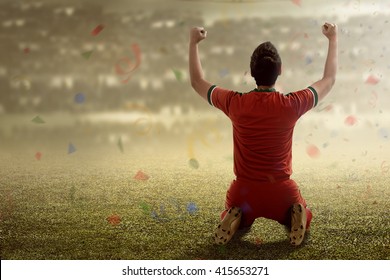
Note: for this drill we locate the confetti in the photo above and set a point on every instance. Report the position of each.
(129, 66)
(202, 137)
(296, 2)
(350, 120)
(114, 220)
(193, 163)
(26, 50)
(120, 145)
(372, 80)
(79, 98)
(258, 241)
(308, 60)
(97, 30)
(222, 249)
(145, 207)
(384, 133)
(71, 148)
(178, 75)
(38, 120)
(223, 73)
(87, 54)
(312, 151)
(192, 208)
(326, 144)
(141, 176)
(38, 155)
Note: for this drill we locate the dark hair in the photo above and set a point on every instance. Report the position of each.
(265, 64)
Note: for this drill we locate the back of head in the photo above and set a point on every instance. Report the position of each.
(265, 64)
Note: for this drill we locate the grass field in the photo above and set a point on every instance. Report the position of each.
(88, 205)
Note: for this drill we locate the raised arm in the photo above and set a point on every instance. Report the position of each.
(324, 85)
(199, 84)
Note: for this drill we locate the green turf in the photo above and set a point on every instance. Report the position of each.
(58, 208)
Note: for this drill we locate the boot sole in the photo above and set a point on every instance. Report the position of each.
(225, 231)
(298, 224)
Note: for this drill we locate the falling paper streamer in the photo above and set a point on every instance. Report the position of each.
(312, 151)
(350, 120)
(143, 125)
(114, 219)
(38, 155)
(120, 145)
(372, 80)
(97, 30)
(201, 137)
(125, 73)
(373, 100)
(141, 176)
(385, 167)
(38, 120)
(87, 54)
(71, 148)
(21, 81)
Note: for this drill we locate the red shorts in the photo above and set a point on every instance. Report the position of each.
(264, 200)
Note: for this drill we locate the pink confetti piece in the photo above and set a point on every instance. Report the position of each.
(97, 30)
(38, 155)
(258, 241)
(350, 120)
(313, 151)
(114, 220)
(296, 2)
(372, 80)
(141, 176)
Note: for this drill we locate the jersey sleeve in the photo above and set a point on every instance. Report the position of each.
(303, 100)
(220, 98)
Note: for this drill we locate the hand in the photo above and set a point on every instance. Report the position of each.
(197, 34)
(329, 30)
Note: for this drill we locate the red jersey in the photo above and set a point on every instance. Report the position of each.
(263, 123)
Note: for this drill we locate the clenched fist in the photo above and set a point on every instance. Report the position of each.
(329, 30)
(197, 34)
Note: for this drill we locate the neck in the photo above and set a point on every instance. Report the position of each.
(265, 87)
